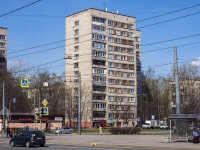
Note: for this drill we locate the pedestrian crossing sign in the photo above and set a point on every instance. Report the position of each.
(24, 83)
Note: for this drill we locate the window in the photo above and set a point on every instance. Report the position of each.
(76, 40)
(124, 33)
(131, 83)
(76, 56)
(100, 20)
(117, 48)
(137, 39)
(124, 99)
(137, 46)
(111, 81)
(111, 90)
(76, 23)
(111, 73)
(76, 48)
(111, 98)
(110, 31)
(131, 91)
(131, 43)
(124, 66)
(118, 82)
(118, 107)
(98, 28)
(2, 37)
(118, 98)
(124, 57)
(124, 41)
(124, 90)
(118, 73)
(110, 39)
(132, 108)
(99, 71)
(118, 40)
(132, 99)
(110, 48)
(131, 58)
(99, 54)
(99, 45)
(131, 67)
(131, 116)
(2, 44)
(2, 52)
(131, 34)
(118, 24)
(131, 74)
(125, 82)
(76, 32)
(131, 51)
(119, 90)
(118, 57)
(75, 65)
(118, 32)
(110, 64)
(124, 74)
(124, 50)
(110, 56)
(99, 37)
(124, 25)
(110, 23)
(130, 26)
(118, 65)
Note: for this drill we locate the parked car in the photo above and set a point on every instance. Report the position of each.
(28, 138)
(64, 130)
(146, 126)
(162, 126)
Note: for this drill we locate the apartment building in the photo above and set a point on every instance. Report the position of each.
(105, 49)
(3, 49)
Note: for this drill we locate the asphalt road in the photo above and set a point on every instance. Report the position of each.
(6, 146)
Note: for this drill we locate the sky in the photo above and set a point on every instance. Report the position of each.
(36, 34)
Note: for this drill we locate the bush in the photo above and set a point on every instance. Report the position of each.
(124, 130)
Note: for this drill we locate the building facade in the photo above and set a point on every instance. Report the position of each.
(105, 49)
(3, 49)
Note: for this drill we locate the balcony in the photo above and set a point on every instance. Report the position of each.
(99, 83)
(99, 109)
(98, 23)
(99, 58)
(99, 92)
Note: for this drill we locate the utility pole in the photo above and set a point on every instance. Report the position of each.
(176, 82)
(39, 109)
(34, 112)
(3, 123)
(178, 125)
(79, 103)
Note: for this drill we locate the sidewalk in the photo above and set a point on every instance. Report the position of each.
(114, 141)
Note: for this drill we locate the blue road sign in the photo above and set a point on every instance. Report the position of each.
(24, 83)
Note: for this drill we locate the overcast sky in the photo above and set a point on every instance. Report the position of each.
(44, 23)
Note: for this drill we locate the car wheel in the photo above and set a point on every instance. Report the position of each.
(42, 145)
(27, 144)
(12, 143)
(70, 132)
(60, 132)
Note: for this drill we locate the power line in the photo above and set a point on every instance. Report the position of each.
(169, 13)
(169, 20)
(172, 39)
(20, 8)
(171, 47)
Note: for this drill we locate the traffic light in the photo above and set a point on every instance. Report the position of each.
(37, 117)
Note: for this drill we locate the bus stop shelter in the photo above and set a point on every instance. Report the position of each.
(183, 124)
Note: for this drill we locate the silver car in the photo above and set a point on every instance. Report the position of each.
(64, 130)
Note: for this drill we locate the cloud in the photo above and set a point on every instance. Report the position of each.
(196, 62)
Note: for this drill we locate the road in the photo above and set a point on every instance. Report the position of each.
(5, 146)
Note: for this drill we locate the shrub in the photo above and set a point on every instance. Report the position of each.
(124, 130)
